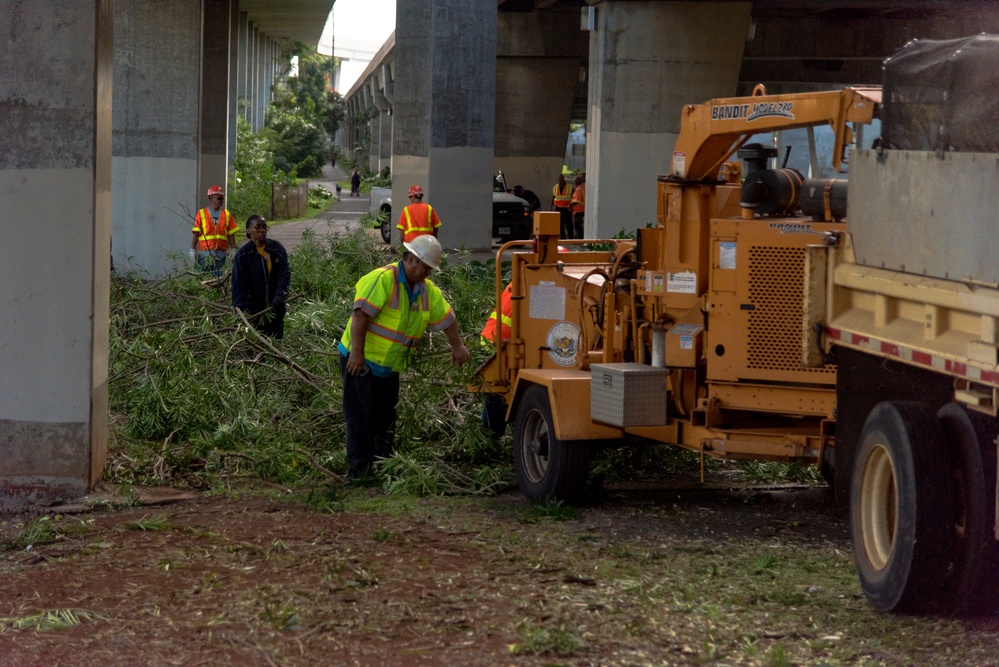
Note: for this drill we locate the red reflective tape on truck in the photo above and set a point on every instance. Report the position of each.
(915, 357)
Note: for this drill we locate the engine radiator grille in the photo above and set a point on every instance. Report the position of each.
(776, 289)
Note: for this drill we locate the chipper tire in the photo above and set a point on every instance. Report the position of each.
(902, 508)
(548, 469)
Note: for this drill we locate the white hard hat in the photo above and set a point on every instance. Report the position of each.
(426, 248)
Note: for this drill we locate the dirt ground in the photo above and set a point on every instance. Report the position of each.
(255, 580)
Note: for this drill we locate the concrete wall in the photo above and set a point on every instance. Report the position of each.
(55, 176)
(648, 59)
(540, 57)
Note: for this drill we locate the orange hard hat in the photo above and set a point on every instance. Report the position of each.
(415, 191)
(215, 191)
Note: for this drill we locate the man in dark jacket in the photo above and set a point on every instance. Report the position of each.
(260, 279)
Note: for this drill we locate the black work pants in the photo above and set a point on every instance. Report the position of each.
(577, 225)
(566, 220)
(369, 414)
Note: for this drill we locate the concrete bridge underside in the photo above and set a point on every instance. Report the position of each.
(624, 68)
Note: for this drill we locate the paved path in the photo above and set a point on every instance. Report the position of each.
(345, 213)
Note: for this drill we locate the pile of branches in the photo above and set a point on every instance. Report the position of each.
(199, 398)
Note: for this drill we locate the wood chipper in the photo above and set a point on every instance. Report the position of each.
(691, 333)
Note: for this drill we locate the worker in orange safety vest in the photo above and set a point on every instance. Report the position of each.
(418, 218)
(214, 233)
(494, 410)
(578, 205)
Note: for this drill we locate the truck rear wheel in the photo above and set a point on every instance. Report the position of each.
(970, 585)
(901, 508)
(547, 468)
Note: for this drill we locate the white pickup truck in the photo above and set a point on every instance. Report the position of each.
(511, 214)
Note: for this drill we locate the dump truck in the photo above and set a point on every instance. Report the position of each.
(755, 321)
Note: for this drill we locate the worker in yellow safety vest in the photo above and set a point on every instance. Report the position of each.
(393, 306)
(214, 234)
(562, 202)
(418, 218)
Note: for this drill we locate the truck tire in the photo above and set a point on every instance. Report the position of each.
(901, 508)
(386, 226)
(970, 586)
(547, 468)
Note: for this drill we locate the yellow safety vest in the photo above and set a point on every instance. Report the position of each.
(396, 324)
(562, 199)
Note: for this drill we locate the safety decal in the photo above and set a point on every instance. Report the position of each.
(563, 343)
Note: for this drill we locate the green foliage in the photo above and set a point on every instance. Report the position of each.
(253, 173)
(149, 524)
(772, 472)
(198, 399)
(319, 197)
(547, 637)
(304, 116)
(55, 619)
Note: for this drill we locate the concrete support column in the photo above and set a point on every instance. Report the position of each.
(55, 173)
(540, 57)
(387, 79)
(648, 59)
(444, 110)
(157, 105)
(378, 103)
(214, 103)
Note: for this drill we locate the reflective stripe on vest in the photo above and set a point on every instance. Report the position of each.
(396, 325)
(505, 319)
(212, 235)
(411, 230)
(564, 198)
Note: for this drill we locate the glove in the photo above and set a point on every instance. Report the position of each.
(278, 300)
(191, 254)
(230, 253)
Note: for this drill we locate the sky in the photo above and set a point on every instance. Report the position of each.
(358, 26)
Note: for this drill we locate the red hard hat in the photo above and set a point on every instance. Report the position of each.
(562, 248)
(415, 191)
(215, 191)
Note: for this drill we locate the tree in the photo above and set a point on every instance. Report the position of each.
(304, 115)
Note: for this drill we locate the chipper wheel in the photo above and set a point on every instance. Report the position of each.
(547, 468)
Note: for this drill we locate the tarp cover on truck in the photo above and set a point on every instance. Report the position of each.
(940, 95)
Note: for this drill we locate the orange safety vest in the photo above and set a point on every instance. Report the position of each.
(417, 220)
(562, 199)
(505, 319)
(212, 235)
(579, 199)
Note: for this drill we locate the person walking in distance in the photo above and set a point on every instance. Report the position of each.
(562, 202)
(214, 234)
(578, 205)
(261, 278)
(418, 218)
(393, 306)
(355, 184)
